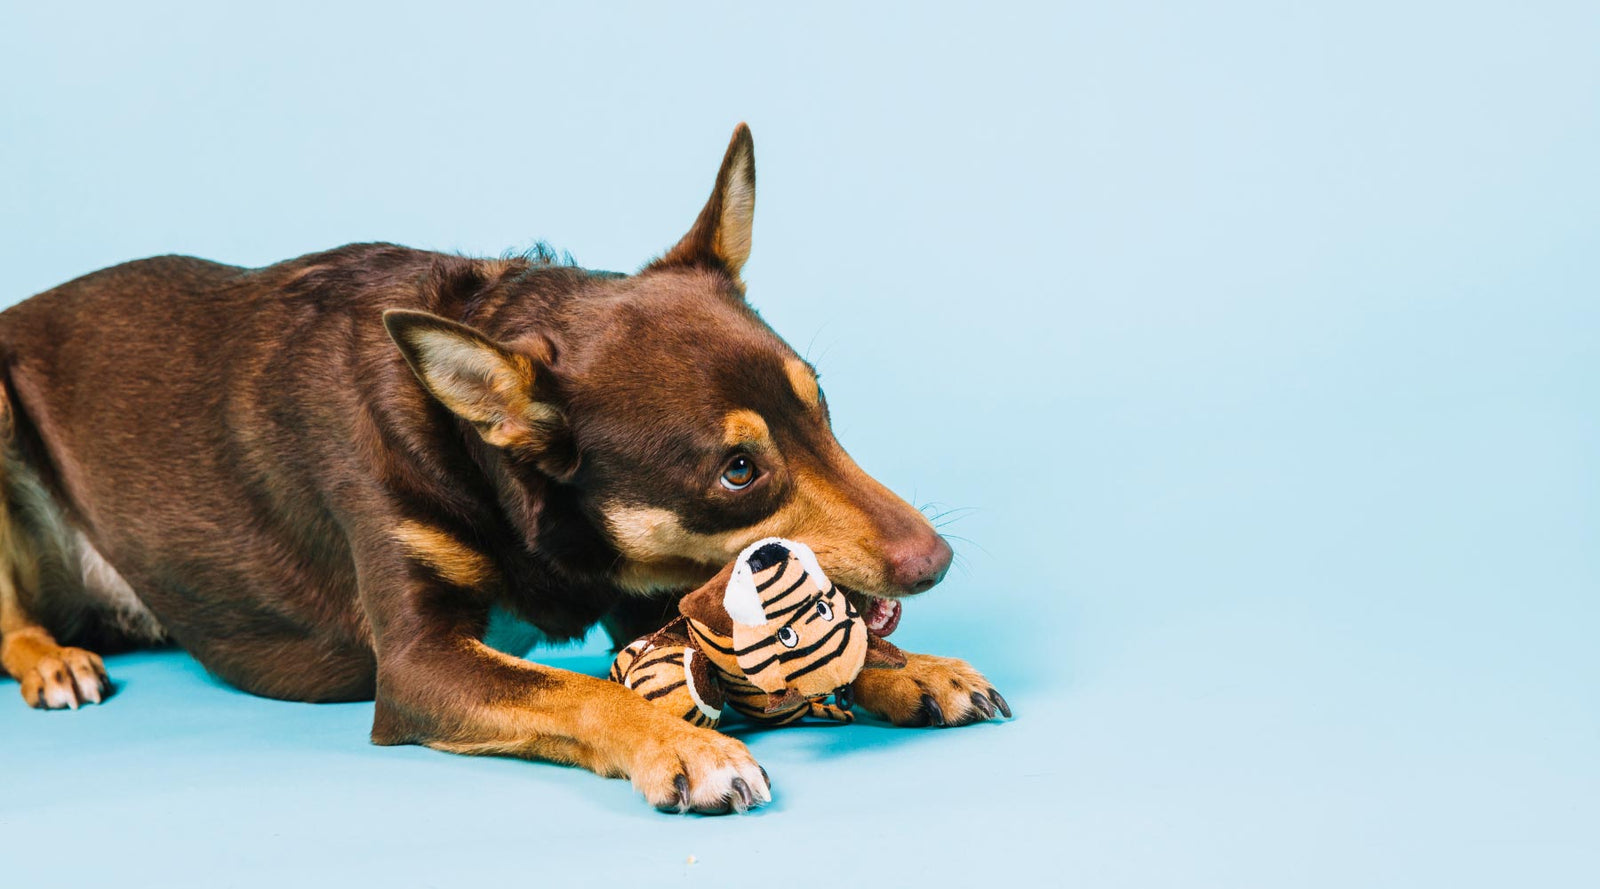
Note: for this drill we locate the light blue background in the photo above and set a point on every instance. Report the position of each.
(1258, 339)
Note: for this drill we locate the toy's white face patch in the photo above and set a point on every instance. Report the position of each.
(743, 600)
(792, 628)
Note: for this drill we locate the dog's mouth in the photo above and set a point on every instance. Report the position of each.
(880, 615)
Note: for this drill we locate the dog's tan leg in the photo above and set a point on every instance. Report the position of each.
(476, 700)
(53, 676)
(441, 687)
(929, 691)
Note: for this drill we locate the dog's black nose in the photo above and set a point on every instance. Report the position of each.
(767, 556)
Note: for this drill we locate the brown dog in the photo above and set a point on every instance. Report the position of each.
(242, 461)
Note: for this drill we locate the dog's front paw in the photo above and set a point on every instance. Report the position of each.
(65, 678)
(700, 770)
(929, 691)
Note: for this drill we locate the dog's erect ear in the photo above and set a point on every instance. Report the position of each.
(497, 390)
(722, 233)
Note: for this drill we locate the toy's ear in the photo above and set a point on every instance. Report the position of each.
(788, 699)
(881, 655)
(705, 605)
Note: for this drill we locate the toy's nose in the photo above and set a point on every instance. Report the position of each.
(917, 564)
(767, 556)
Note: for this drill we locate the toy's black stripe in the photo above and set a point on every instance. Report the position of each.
(831, 657)
(755, 647)
(774, 615)
(804, 576)
(664, 690)
(657, 659)
(797, 653)
(720, 643)
(776, 576)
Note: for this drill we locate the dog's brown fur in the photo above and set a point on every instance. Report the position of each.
(319, 515)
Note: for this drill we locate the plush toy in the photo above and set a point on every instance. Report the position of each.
(769, 636)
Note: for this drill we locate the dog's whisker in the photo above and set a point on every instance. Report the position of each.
(813, 342)
(941, 518)
(966, 540)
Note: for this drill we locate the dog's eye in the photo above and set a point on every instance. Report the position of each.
(824, 610)
(788, 637)
(739, 474)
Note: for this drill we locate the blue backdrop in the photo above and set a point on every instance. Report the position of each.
(1256, 344)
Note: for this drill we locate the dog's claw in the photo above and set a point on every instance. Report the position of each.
(64, 678)
(680, 802)
(766, 779)
(744, 799)
(1005, 709)
(984, 705)
(931, 707)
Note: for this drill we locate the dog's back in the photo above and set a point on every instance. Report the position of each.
(193, 424)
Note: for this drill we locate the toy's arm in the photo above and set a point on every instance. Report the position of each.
(821, 709)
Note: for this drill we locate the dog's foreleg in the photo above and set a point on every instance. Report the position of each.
(52, 676)
(929, 690)
(439, 686)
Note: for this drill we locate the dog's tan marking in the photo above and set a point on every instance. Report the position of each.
(745, 427)
(900, 695)
(453, 560)
(51, 676)
(600, 725)
(646, 537)
(804, 381)
(660, 554)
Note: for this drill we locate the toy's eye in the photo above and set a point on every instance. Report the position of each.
(739, 473)
(788, 637)
(824, 610)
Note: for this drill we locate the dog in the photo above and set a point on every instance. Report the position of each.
(320, 477)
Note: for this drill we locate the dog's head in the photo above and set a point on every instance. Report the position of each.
(682, 423)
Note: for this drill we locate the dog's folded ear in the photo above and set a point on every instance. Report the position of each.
(506, 393)
(721, 236)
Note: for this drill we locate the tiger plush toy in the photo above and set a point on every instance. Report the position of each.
(770, 636)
